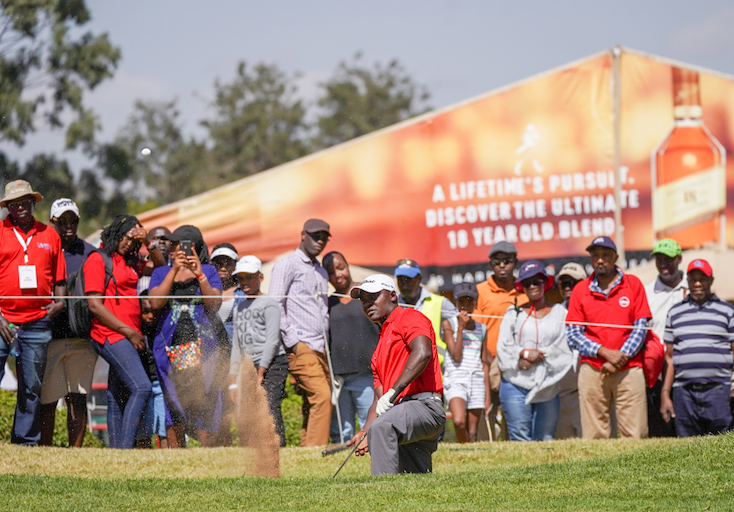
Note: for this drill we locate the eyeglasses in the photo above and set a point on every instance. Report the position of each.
(538, 281)
(320, 236)
(496, 262)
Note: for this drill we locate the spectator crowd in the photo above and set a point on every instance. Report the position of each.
(526, 355)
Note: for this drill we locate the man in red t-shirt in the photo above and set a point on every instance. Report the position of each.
(32, 269)
(407, 415)
(606, 322)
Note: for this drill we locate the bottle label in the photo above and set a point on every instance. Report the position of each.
(697, 195)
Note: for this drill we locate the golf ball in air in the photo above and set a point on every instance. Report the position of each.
(145, 151)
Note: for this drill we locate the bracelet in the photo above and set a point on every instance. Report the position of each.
(202, 278)
(526, 354)
(233, 386)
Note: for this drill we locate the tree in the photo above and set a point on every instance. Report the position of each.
(358, 100)
(45, 60)
(259, 123)
(158, 164)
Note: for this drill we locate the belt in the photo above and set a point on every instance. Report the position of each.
(426, 395)
(701, 386)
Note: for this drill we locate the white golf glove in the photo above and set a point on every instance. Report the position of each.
(384, 404)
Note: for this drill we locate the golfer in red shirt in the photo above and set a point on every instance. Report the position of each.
(407, 416)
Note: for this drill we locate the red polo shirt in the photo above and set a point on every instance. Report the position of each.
(391, 354)
(626, 303)
(125, 309)
(44, 251)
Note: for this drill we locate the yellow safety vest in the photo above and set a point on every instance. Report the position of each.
(431, 307)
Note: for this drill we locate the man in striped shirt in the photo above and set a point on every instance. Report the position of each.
(698, 333)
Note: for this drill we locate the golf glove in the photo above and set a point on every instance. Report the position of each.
(384, 404)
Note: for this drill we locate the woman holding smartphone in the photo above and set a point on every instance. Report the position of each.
(191, 356)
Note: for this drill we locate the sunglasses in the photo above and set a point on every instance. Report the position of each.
(408, 263)
(496, 262)
(320, 236)
(538, 281)
(566, 283)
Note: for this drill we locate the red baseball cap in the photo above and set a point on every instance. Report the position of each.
(701, 265)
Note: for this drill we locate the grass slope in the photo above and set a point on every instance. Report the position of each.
(671, 474)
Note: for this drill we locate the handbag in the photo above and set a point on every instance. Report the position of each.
(185, 355)
(653, 358)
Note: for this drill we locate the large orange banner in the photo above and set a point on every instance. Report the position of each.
(532, 164)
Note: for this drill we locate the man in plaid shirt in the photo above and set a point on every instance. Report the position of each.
(606, 323)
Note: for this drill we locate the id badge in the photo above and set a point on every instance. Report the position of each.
(27, 276)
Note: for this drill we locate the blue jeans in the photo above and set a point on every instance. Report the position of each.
(355, 399)
(33, 338)
(528, 422)
(128, 389)
(701, 409)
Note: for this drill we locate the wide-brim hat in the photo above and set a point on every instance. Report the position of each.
(17, 189)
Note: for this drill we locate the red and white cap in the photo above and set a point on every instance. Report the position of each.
(701, 265)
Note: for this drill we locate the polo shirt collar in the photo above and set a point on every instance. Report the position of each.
(594, 284)
(662, 287)
(713, 298)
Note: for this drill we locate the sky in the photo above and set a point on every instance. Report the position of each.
(458, 49)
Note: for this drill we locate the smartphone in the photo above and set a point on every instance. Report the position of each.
(185, 246)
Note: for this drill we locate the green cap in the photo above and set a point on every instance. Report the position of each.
(668, 247)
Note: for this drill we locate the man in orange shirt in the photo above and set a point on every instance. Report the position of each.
(32, 266)
(496, 294)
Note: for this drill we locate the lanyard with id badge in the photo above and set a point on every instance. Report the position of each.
(26, 272)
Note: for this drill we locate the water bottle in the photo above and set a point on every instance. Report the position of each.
(14, 345)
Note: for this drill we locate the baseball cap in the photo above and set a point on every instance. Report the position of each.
(701, 265)
(315, 225)
(374, 284)
(465, 290)
(61, 206)
(573, 270)
(248, 265)
(668, 247)
(224, 251)
(602, 241)
(502, 246)
(407, 268)
(530, 269)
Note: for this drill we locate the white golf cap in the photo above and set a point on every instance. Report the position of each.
(224, 251)
(61, 206)
(374, 284)
(248, 265)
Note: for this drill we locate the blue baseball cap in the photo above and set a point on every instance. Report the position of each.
(602, 241)
(407, 268)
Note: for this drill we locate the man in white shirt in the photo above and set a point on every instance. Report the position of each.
(670, 287)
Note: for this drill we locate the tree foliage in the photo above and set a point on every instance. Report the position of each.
(172, 168)
(45, 66)
(259, 121)
(358, 100)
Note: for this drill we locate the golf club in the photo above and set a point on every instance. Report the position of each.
(335, 449)
(399, 390)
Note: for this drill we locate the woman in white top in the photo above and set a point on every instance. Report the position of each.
(533, 356)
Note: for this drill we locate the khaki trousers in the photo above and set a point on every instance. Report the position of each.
(623, 390)
(311, 371)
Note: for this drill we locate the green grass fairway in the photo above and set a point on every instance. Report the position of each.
(667, 475)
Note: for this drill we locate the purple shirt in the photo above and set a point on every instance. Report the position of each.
(295, 283)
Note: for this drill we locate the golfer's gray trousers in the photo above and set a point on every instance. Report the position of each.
(403, 439)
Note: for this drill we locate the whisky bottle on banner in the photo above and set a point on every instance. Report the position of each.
(688, 172)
